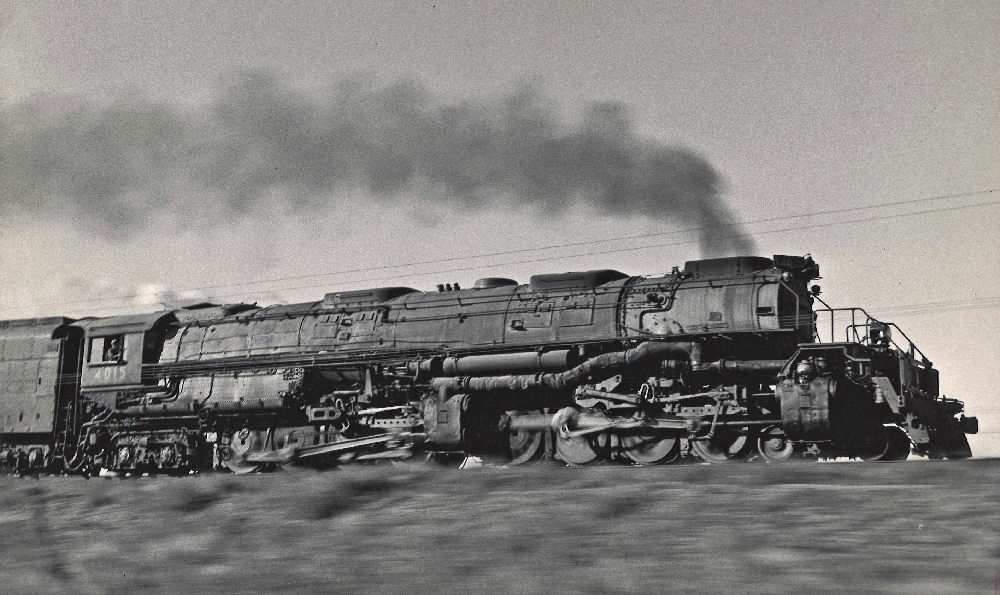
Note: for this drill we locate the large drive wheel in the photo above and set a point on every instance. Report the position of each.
(650, 449)
(774, 446)
(244, 442)
(581, 450)
(577, 450)
(724, 447)
(524, 445)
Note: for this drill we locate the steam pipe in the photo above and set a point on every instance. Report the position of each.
(768, 368)
(532, 361)
(574, 377)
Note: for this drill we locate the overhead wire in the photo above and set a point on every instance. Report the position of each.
(133, 296)
(612, 251)
(597, 241)
(578, 255)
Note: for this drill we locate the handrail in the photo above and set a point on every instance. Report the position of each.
(851, 334)
(798, 309)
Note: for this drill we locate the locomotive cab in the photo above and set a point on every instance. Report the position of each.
(115, 350)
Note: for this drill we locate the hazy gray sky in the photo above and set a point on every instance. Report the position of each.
(800, 107)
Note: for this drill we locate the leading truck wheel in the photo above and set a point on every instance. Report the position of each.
(899, 444)
(774, 445)
(725, 447)
(875, 443)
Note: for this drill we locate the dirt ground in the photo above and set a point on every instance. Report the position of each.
(916, 527)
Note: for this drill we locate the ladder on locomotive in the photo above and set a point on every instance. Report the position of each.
(66, 424)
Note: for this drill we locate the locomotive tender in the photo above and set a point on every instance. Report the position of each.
(721, 360)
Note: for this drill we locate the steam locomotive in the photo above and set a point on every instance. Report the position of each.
(722, 360)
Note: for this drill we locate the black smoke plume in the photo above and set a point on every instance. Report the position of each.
(116, 164)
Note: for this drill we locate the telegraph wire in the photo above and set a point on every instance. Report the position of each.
(559, 246)
(628, 249)
(114, 308)
(635, 248)
(597, 241)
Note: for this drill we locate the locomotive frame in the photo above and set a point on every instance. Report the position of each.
(721, 360)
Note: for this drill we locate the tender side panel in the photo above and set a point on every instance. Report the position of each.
(29, 374)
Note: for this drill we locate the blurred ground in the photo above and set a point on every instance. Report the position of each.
(917, 527)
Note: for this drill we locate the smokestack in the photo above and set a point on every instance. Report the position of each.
(116, 164)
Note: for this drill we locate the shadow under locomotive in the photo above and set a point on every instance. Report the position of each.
(722, 360)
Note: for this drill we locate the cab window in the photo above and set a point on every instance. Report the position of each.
(107, 350)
